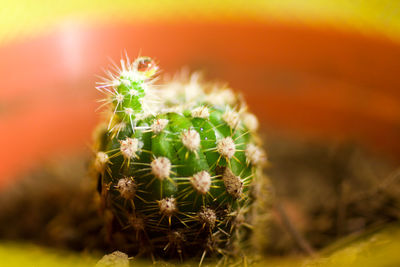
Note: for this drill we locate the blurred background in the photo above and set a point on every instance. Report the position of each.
(313, 69)
(322, 76)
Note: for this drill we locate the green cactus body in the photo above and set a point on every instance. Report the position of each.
(176, 165)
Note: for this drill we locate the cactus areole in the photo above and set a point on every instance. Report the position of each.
(177, 163)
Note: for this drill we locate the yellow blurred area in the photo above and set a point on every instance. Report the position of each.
(379, 248)
(17, 255)
(22, 18)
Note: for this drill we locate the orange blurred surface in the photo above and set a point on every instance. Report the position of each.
(313, 82)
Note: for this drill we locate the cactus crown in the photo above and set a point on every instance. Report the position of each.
(130, 90)
(176, 165)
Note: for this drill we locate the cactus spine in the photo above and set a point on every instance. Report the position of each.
(176, 164)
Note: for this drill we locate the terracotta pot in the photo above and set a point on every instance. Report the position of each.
(311, 82)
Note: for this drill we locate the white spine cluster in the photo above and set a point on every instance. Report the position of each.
(191, 139)
(129, 147)
(125, 82)
(201, 112)
(232, 118)
(168, 206)
(250, 121)
(101, 161)
(118, 127)
(133, 92)
(255, 155)
(193, 90)
(161, 167)
(201, 182)
(127, 187)
(221, 97)
(119, 97)
(226, 147)
(129, 111)
(208, 217)
(159, 125)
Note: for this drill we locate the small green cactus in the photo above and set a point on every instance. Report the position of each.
(177, 164)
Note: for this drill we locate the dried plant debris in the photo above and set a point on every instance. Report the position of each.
(53, 205)
(328, 191)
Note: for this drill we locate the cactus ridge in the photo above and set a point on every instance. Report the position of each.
(176, 172)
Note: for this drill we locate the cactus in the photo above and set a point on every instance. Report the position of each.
(177, 164)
